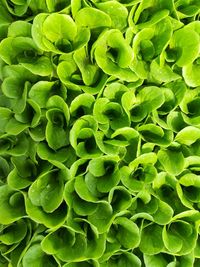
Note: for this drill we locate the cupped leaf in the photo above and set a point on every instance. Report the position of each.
(46, 153)
(11, 205)
(188, 135)
(82, 137)
(162, 73)
(155, 134)
(126, 232)
(120, 199)
(186, 52)
(72, 250)
(113, 55)
(35, 256)
(117, 12)
(92, 18)
(151, 244)
(102, 217)
(19, 28)
(14, 233)
(50, 220)
(179, 237)
(190, 74)
(23, 173)
(172, 161)
(13, 145)
(47, 190)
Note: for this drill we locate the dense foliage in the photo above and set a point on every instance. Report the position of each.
(99, 133)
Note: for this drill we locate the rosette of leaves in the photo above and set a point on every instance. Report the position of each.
(98, 212)
(150, 13)
(42, 90)
(17, 8)
(124, 234)
(25, 171)
(140, 173)
(108, 110)
(165, 187)
(189, 106)
(44, 201)
(123, 142)
(77, 206)
(188, 188)
(11, 205)
(173, 93)
(187, 9)
(82, 72)
(16, 82)
(180, 235)
(114, 55)
(82, 105)
(13, 145)
(67, 39)
(160, 211)
(57, 122)
(13, 239)
(73, 246)
(17, 123)
(83, 137)
(148, 45)
(19, 48)
(13, 234)
(141, 102)
(181, 52)
(103, 175)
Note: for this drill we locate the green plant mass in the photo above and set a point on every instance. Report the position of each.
(99, 133)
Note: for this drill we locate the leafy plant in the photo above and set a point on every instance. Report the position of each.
(99, 133)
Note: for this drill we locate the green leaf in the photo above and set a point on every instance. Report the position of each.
(102, 217)
(162, 73)
(190, 74)
(47, 190)
(172, 161)
(188, 135)
(151, 97)
(35, 256)
(127, 232)
(117, 12)
(186, 44)
(19, 28)
(151, 244)
(92, 18)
